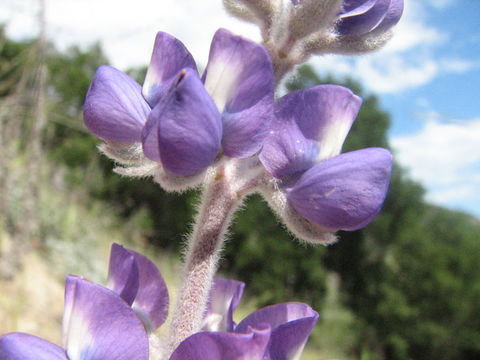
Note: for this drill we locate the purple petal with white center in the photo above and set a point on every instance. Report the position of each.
(224, 299)
(239, 77)
(310, 125)
(251, 345)
(114, 107)
(391, 18)
(169, 57)
(189, 126)
(19, 346)
(291, 325)
(98, 324)
(123, 273)
(365, 22)
(345, 192)
(323, 113)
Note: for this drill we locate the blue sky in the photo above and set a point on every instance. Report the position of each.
(427, 77)
(454, 89)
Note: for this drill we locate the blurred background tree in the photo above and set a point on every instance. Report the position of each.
(405, 287)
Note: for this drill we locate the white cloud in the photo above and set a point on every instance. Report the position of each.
(412, 32)
(127, 34)
(126, 29)
(445, 157)
(394, 72)
(440, 4)
(455, 65)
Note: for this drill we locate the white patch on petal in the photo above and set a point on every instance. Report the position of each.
(332, 138)
(213, 322)
(77, 336)
(222, 79)
(152, 79)
(297, 353)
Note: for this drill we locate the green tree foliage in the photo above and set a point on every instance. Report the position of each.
(275, 266)
(13, 57)
(413, 275)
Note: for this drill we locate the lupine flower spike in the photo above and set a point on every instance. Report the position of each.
(224, 131)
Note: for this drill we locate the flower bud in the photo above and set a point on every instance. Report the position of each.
(368, 17)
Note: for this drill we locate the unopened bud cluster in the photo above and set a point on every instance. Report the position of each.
(293, 30)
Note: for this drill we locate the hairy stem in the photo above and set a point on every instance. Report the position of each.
(219, 201)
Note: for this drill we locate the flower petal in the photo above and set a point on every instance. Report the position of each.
(310, 125)
(245, 131)
(345, 192)
(323, 113)
(365, 22)
(239, 77)
(251, 345)
(189, 126)
(137, 280)
(123, 273)
(151, 302)
(356, 7)
(114, 108)
(150, 145)
(391, 18)
(19, 346)
(224, 299)
(286, 151)
(291, 325)
(169, 57)
(98, 324)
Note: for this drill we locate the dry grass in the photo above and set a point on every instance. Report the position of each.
(33, 301)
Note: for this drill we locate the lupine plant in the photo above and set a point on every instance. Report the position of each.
(226, 133)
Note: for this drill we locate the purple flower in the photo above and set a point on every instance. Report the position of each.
(100, 323)
(97, 324)
(337, 192)
(366, 17)
(369, 17)
(290, 324)
(279, 330)
(182, 121)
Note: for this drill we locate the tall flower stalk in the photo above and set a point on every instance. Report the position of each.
(218, 204)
